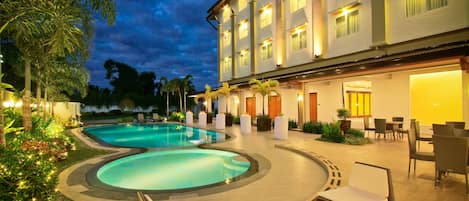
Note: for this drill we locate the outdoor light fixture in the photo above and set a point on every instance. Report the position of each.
(299, 98)
(1, 58)
(205, 103)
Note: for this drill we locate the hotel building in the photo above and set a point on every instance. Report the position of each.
(378, 58)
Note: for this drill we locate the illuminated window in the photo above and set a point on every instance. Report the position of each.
(243, 29)
(415, 7)
(358, 103)
(298, 39)
(296, 5)
(266, 50)
(227, 64)
(226, 13)
(243, 58)
(226, 38)
(266, 15)
(347, 24)
(242, 4)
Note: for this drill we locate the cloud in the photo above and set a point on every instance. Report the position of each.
(168, 37)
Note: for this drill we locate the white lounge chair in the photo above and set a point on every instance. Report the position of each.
(366, 183)
(143, 197)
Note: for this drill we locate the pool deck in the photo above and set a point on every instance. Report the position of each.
(288, 175)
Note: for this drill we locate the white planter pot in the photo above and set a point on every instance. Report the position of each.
(189, 118)
(202, 119)
(281, 128)
(220, 121)
(245, 121)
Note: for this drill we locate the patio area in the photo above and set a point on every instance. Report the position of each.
(291, 176)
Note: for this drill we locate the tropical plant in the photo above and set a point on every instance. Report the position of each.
(165, 88)
(186, 85)
(264, 89)
(313, 127)
(343, 113)
(55, 26)
(3, 86)
(208, 95)
(331, 132)
(292, 124)
(356, 133)
(225, 91)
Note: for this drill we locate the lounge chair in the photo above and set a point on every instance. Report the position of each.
(156, 117)
(367, 182)
(140, 118)
(143, 197)
(451, 156)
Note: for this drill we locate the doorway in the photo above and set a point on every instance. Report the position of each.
(275, 106)
(251, 106)
(313, 107)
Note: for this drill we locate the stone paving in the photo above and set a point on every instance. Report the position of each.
(292, 176)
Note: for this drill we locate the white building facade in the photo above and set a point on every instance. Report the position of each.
(377, 58)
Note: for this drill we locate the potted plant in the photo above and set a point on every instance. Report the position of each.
(225, 91)
(345, 124)
(208, 95)
(264, 89)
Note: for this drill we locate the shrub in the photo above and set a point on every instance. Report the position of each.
(125, 119)
(331, 132)
(356, 133)
(177, 116)
(292, 124)
(357, 140)
(313, 127)
(237, 120)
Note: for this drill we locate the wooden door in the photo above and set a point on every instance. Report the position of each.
(313, 107)
(275, 106)
(251, 106)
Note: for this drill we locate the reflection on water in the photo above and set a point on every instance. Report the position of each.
(154, 135)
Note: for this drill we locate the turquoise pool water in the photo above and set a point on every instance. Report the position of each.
(154, 135)
(175, 169)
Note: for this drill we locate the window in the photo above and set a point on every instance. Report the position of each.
(266, 15)
(415, 7)
(347, 24)
(358, 103)
(243, 29)
(226, 38)
(296, 5)
(226, 13)
(266, 49)
(298, 39)
(242, 5)
(226, 64)
(243, 58)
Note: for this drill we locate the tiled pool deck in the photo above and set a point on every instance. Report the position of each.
(290, 176)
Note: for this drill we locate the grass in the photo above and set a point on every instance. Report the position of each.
(81, 153)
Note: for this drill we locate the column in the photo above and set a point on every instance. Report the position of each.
(253, 34)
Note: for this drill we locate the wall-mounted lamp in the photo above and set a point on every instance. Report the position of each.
(299, 98)
(205, 103)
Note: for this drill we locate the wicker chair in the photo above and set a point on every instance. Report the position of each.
(451, 156)
(380, 127)
(400, 129)
(413, 153)
(457, 124)
(367, 182)
(442, 129)
(366, 126)
(418, 136)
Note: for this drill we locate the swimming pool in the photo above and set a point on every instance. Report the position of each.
(174, 169)
(153, 135)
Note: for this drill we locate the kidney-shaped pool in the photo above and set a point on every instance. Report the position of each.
(174, 169)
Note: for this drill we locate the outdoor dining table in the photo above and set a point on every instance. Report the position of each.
(393, 126)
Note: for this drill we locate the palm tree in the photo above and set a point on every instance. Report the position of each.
(175, 87)
(186, 85)
(165, 87)
(264, 89)
(208, 95)
(225, 91)
(52, 25)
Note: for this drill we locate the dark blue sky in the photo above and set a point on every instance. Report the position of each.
(168, 37)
